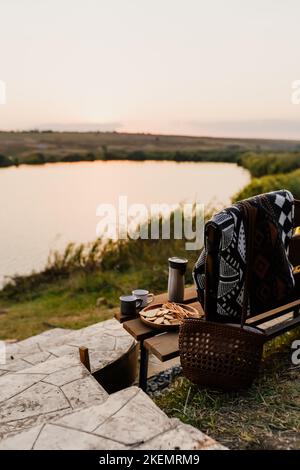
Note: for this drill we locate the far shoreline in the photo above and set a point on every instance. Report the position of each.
(36, 147)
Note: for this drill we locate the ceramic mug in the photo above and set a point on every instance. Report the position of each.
(144, 295)
(129, 304)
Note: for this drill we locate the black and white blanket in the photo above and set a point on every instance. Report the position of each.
(272, 277)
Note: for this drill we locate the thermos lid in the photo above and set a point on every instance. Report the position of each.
(178, 263)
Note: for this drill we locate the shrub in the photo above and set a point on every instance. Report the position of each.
(36, 159)
(5, 161)
(270, 163)
(265, 184)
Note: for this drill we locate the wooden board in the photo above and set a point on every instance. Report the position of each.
(164, 346)
(138, 329)
(122, 318)
(276, 312)
(282, 327)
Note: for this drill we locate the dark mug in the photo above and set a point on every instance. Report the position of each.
(129, 304)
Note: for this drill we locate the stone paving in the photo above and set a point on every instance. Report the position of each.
(49, 400)
(107, 341)
(126, 420)
(45, 391)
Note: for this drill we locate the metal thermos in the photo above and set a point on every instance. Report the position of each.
(177, 268)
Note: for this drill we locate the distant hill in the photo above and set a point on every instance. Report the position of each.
(48, 146)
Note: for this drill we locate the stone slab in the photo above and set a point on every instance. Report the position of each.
(34, 344)
(107, 341)
(181, 437)
(45, 391)
(127, 420)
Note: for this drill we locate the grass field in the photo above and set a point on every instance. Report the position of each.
(39, 147)
(65, 293)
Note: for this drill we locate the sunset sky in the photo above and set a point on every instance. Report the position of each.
(198, 67)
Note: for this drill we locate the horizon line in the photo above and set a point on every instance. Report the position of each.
(190, 136)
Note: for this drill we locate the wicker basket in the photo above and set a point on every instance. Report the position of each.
(218, 355)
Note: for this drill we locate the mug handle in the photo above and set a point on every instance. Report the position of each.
(150, 298)
(139, 303)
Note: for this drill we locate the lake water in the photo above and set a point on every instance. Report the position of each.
(45, 207)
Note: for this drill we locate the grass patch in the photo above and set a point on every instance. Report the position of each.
(65, 293)
(69, 303)
(267, 416)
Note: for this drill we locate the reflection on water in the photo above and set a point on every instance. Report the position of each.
(45, 207)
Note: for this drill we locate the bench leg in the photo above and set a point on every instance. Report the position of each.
(143, 367)
(85, 357)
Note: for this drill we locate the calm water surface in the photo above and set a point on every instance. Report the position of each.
(45, 207)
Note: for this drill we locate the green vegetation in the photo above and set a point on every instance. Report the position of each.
(5, 161)
(265, 184)
(65, 293)
(231, 155)
(267, 416)
(34, 147)
(82, 285)
(260, 164)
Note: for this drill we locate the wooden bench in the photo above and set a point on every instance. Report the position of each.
(164, 345)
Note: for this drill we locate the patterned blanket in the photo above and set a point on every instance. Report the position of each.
(271, 277)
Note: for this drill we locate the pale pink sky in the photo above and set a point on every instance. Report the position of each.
(201, 67)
